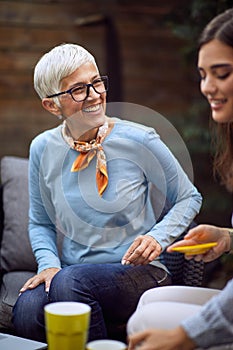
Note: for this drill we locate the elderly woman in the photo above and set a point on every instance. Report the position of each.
(93, 179)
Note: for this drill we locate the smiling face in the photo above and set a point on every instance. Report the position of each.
(83, 118)
(215, 64)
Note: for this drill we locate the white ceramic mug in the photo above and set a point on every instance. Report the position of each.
(106, 344)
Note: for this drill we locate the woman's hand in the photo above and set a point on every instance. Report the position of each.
(206, 234)
(158, 339)
(142, 251)
(44, 276)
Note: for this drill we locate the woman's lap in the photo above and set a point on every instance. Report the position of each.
(112, 290)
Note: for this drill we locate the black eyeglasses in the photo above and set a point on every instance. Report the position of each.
(80, 92)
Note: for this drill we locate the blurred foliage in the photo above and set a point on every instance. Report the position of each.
(227, 260)
(194, 127)
(187, 22)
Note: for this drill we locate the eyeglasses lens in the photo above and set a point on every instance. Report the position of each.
(81, 92)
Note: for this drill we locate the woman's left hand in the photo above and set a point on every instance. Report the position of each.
(142, 251)
(206, 234)
(44, 276)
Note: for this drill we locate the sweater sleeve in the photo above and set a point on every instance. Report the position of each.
(213, 325)
(165, 172)
(42, 227)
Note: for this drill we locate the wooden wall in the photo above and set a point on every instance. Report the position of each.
(143, 60)
(148, 68)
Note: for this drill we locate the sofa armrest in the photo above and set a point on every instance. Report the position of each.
(9, 291)
(15, 251)
(1, 214)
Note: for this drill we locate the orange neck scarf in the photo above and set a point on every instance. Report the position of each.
(88, 150)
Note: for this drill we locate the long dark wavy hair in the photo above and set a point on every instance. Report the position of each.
(221, 28)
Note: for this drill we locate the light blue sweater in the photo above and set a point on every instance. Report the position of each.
(143, 174)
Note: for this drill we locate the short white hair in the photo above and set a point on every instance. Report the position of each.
(57, 64)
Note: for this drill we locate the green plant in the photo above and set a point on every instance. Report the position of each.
(187, 22)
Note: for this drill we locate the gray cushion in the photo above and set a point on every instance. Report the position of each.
(11, 284)
(16, 253)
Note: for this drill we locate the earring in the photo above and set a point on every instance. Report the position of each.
(59, 117)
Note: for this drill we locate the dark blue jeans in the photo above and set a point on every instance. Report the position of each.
(112, 291)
